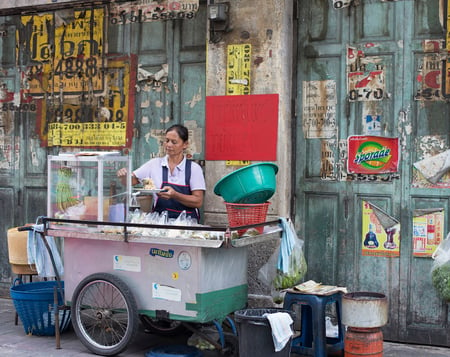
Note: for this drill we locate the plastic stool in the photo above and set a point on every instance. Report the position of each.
(313, 340)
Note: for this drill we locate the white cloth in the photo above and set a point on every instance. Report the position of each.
(39, 255)
(280, 323)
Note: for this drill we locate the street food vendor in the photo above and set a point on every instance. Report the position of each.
(181, 180)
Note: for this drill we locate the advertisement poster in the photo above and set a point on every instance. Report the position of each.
(105, 121)
(378, 239)
(372, 154)
(76, 62)
(428, 232)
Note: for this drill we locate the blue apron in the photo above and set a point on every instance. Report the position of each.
(173, 207)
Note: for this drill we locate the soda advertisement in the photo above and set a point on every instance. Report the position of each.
(380, 237)
(372, 154)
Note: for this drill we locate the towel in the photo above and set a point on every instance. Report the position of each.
(39, 255)
(280, 323)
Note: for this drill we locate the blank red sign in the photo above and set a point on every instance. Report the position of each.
(242, 127)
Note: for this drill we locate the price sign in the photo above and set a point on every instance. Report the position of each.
(238, 69)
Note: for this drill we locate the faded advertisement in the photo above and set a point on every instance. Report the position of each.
(64, 58)
(327, 160)
(365, 76)
(103, 121)
(428, 232)
(238, 69)
(432, 170)
(150, 10)
(429, 80)
(319, 109)
(380, 232)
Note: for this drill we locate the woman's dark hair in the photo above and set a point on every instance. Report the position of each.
(181, 130)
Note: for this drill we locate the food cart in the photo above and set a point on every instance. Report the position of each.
(114, 279)
(117, 272)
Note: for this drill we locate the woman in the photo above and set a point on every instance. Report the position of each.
(182, 180)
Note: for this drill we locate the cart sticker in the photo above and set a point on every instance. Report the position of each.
(161, 252)
(175, 275)
(165, 292)
(122, 262)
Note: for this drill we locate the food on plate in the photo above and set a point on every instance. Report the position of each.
(148, 184)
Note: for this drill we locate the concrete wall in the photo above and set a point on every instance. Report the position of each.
(268, 27)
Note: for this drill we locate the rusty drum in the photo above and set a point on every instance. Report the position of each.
(364, 309)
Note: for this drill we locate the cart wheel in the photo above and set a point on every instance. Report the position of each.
(163, 327)
(104, 314)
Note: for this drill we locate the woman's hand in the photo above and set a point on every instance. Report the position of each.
(194, 200)
(123, 173)
(168, 193)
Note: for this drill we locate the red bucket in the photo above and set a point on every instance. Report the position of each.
(240, 214)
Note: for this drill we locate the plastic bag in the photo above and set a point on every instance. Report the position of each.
(440, 270)
(287, 265)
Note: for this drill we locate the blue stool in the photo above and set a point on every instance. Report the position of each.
(313, 340)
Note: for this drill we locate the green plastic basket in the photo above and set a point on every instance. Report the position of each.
(251, 184)
(34, 304)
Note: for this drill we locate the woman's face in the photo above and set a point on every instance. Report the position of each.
(173, 144)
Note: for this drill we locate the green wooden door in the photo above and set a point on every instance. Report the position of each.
(358, 71)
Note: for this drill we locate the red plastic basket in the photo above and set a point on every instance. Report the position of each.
(240, 214)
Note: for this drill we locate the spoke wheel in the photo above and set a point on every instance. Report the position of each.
(104, 314)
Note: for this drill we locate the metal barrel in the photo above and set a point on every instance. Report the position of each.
(363, 342)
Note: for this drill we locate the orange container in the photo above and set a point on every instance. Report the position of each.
(363, 342)
(240, 214)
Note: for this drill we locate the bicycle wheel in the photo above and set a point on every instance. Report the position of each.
(104, 314)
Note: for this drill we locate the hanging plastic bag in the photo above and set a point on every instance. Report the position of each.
(287, 265)
(440, 270)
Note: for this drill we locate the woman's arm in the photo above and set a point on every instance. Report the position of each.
(194, 200)
(123, 173)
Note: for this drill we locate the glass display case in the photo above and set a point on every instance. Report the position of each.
(85, 186)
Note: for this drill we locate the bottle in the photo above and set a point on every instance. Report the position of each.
(134, 205)
(371, 239)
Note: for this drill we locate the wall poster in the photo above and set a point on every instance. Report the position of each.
(372, 154)
(380, 232)
(428, 231)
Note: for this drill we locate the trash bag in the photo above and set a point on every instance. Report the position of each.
(440, 270)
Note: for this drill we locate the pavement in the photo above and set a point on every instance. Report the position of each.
(15, 343)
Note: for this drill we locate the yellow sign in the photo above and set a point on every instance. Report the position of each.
(237, 163)
(67, 59)
(238, 69)
(104, 122)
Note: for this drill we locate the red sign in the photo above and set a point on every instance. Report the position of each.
(242, 127)
(372, 154)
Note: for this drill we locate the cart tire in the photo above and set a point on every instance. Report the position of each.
(104, 314)
(163, 327)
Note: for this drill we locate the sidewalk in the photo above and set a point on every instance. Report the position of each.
(15, 343)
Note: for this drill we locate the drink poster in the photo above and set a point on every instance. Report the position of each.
(378, 240)
(428, 232)
(372, 154)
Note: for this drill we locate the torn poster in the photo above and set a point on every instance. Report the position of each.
(435, 167)
(380, 232)
(319, 109)
(428, 231)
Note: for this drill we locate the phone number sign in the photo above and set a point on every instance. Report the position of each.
(106, 121)
(66, 59)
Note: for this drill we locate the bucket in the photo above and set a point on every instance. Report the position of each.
(363, 342)
(255, 333)
(17, 252)
(364, 309)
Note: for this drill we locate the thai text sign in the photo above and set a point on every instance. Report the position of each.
(106, 121)
(238, 69)
(148, 10)
(65, 59)
(372, 154)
